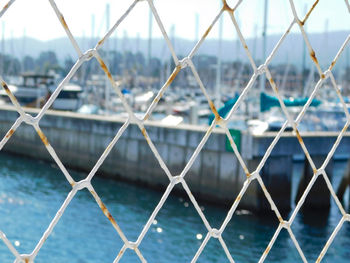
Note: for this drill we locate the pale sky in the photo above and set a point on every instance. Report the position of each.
(36, 18)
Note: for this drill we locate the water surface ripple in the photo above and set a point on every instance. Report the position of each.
(31, 192)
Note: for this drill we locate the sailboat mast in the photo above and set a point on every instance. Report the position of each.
(150, 28)
(24, 43)
(326, 34)
(303, 67)
(197, 27)
(255, 40)
(137, 42)
(2, 64)
(107, 89)
(238, 43)
(263, 55)
(218, 66)
(172, 39)
(92, 28)
(196, 34)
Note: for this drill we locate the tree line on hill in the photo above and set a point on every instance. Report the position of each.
(135, 64)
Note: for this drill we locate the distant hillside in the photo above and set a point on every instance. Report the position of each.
(291, 50)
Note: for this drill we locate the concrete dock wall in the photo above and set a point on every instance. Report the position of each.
(216, 175)
(80, 140)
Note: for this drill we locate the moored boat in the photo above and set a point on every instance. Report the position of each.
(32, 91)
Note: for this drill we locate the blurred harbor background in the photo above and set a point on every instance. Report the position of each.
(36, 55)
(140, 61)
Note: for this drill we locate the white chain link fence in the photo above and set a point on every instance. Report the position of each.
(222, 122)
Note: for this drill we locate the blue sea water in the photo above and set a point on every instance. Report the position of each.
(31, 192)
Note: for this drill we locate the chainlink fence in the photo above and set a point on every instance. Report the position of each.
(180, 64)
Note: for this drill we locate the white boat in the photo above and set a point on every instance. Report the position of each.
(141, 101)
(89, 109)
(68, 99)
(172, 120)
(32, 91)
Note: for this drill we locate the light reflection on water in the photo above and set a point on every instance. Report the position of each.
(31, 192)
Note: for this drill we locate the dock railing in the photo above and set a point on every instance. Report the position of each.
(180, 179)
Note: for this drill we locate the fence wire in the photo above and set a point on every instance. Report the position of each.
(180, 64)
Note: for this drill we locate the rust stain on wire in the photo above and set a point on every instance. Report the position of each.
(100, 42)
(143, 130)
(267, 250)
(313, 56)
(105, 69)
(6, 6)
(5, 86)
(120, 253)
(104, 209)
(43, 137)
(213, 109)
(207, 32)
(9, 134)
(226, 7)
(309, 12)
(8, 91)
(344, 128)
(299, 137)
(173, 75)
(106, 212)
(273, 84)
(160, 95)
(63, 21)
(156, 99)
(146, 116)
(239, 197)
(144, 133)
(332, 65)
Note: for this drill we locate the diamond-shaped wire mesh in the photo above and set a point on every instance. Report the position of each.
(262, 69)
